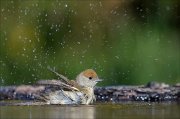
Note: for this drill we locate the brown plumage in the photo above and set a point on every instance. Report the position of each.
(79, 91)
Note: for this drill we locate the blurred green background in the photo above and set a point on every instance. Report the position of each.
(125, 41)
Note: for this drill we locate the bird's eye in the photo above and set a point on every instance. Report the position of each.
(90, 78)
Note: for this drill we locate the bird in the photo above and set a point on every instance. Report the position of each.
(78, 91)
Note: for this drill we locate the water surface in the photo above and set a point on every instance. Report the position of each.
(103, 110)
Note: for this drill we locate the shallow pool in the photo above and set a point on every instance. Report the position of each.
(130, 110)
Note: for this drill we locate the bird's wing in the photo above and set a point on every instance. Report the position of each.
(58, 83)
(65, 79)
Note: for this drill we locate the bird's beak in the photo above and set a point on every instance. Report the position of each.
(98, 80)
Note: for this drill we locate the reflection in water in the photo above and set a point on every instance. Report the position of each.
(30, 113)
(72, 112)
(108, 111)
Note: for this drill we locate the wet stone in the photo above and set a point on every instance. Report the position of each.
(152, 92)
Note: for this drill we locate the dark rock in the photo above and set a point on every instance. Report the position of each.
(152, 92)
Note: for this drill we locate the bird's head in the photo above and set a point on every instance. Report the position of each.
(87, 78)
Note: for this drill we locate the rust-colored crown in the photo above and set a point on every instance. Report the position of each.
(90, 73)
